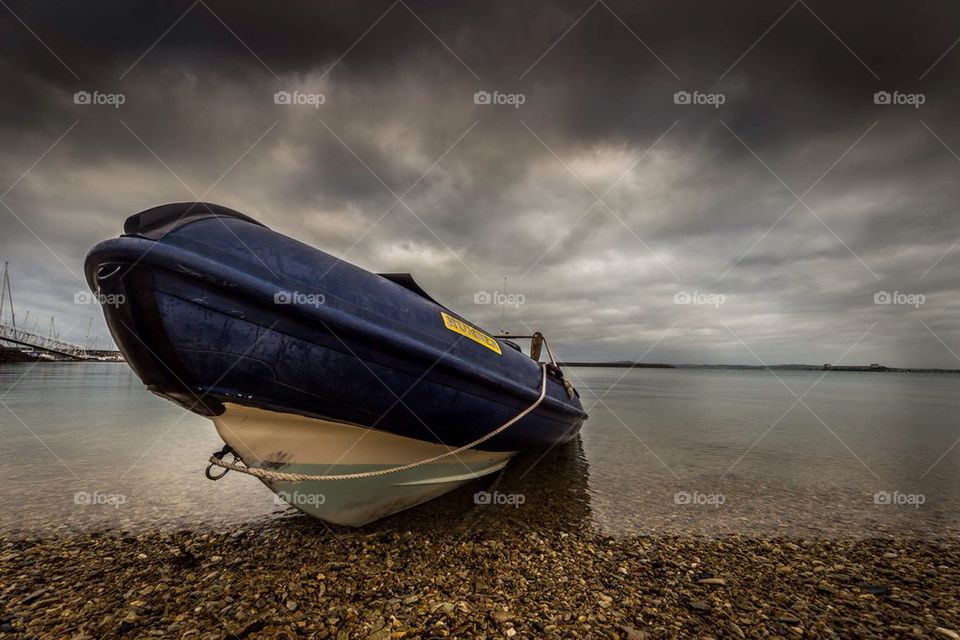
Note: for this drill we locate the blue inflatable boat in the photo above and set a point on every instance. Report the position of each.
(351, 394)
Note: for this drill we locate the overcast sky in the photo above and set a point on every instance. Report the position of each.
(780, 206)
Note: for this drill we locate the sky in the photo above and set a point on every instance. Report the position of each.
(683, 182)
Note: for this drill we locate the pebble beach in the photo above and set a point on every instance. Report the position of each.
(490, 579)
(455, 568)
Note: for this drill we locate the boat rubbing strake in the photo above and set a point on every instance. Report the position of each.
(352, 395)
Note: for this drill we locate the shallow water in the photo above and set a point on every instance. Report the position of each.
(664, 451)
(721, 451)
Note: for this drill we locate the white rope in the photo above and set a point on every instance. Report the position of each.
(267, 474)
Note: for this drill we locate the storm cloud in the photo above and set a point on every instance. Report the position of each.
(681, 182)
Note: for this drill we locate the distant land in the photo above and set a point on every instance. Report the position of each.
(867, 368)
(8, 354)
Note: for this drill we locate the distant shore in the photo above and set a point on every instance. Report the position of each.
(871, 368)
(8, 355)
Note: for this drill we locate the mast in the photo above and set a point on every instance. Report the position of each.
(6, 293)
(87, 342)
(3, 290)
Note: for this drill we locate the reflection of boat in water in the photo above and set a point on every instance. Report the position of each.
(554, 486)
(311, 367)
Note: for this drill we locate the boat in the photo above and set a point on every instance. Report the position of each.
(352, 395)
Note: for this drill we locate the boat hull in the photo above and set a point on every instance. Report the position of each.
(291, 443)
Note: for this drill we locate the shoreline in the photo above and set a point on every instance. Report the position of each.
(456, 568)
(494, 577)
(751, 367)
(608, 365)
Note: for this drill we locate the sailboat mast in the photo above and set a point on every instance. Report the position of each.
(86, 338)
(6, 293)
(3, 290)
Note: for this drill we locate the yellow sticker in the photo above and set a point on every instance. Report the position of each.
(461, 327)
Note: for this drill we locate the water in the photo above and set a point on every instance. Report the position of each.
(664, 451)
(721, 451)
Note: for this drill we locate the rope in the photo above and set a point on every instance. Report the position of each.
(268, 474)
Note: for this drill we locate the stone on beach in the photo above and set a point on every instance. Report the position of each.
(488, 579)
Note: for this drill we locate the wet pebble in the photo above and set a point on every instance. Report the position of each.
(498, 579)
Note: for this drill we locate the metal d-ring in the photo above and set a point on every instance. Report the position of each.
(219, 456)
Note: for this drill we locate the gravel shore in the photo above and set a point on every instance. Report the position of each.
(454, 568)
(487, 577)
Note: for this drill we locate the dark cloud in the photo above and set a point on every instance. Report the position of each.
(599, 196)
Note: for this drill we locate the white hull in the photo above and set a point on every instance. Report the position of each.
(294, 443)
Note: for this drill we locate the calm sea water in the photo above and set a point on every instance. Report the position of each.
(664, 451)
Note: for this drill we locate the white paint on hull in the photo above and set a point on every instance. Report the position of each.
(290, 442)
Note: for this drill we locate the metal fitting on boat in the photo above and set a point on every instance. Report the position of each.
(219, 456)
